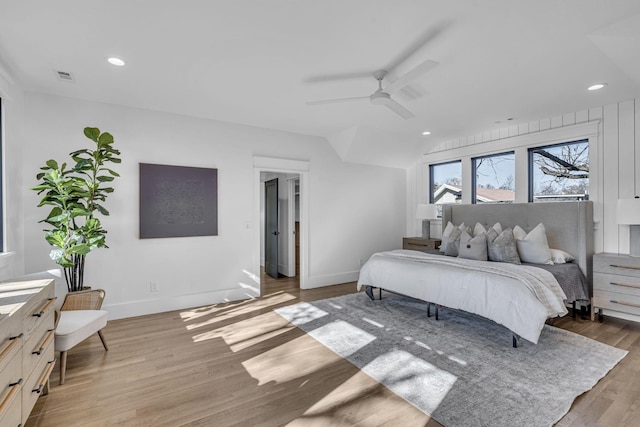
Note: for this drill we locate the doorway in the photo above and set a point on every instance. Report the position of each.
(293, 177)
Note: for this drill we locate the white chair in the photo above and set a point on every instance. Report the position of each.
(79, 318)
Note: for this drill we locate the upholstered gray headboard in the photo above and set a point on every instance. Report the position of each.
(569, 225)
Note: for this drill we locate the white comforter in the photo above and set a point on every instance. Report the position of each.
(519, 297)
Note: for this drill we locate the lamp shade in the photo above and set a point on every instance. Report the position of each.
(426, 211)
(628, 211)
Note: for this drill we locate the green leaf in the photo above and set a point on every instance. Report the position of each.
(112, 172)
(102, 210)
(52, 164)
(104, 178)
(92, 133)
(80, 249)
(105, 138)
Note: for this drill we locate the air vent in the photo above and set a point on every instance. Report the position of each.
(64, 75)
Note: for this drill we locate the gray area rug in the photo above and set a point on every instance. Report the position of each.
(462, 369)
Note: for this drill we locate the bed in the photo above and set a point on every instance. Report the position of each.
(519, 297)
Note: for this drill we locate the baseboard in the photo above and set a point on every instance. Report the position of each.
(174, 302)
(331, 279)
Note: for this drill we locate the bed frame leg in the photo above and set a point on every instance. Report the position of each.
(515, 341)
(369, 291)
(379, 293)
(428, 309)
(437, 311)
(574, 310)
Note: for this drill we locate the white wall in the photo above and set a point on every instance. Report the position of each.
(354, 210)
(614, 134)
(12, 260)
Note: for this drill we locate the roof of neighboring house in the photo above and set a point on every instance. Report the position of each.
(483, 194)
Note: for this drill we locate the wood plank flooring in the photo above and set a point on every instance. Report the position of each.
(241, 364)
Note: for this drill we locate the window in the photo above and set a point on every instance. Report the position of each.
(446, 183)
(493, 178)
(559, 172)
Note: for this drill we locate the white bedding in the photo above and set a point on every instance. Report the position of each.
(518, 297)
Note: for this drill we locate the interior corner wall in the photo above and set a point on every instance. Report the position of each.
(354, 210)
(12, 260)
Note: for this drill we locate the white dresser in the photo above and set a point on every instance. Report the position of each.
(26, 347)
(616, 285)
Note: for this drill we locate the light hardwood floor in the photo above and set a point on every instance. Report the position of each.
(241, 364)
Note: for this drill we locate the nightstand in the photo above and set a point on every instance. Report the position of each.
(616, 284)
(420, 244)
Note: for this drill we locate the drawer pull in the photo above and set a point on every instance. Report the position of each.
(7, 400)
(45, 342)
(626, 285)
(626, 303)
(628, 267)
(45, 377)
(14, 342)
(45, 307)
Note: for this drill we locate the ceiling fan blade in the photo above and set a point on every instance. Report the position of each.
(338, 77)
(333, 101)
(411, 75)
(399, 109)
(421, 41)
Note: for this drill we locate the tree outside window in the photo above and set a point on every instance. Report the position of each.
(494, 178)
(559, 172)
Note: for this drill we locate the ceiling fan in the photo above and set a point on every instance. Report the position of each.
(382, 96)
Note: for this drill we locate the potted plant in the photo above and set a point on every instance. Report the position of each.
(76, 196)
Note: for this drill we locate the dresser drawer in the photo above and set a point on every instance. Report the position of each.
(418, 244)
(34, 317)
(12, 374)
(617, 264)
(40, 340)
(11, 340)
(616, 301)
(616, 283)
(34, 385)
(11, 408)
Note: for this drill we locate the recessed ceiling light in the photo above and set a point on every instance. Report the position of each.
(597, 86)
(426, 132)
(116, 61)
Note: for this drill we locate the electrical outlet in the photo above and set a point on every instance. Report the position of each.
(154, 287)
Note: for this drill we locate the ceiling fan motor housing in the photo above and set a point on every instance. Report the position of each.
(380, 98)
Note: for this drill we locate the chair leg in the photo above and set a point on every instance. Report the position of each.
(104, 343)
(63, 366)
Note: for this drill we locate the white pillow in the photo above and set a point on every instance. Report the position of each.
(533, 247)
(473, 247)
(446, 233)
(558, 256)
(445, 236)
(479, 228)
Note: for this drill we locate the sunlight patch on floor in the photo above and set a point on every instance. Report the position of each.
(302, 313)
(411, 377)
(285, 363)
(358, 398)
(217, 313)
(246, 333)
(342, 337)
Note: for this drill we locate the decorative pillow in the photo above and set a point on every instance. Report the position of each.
(473, 247)
(492, 234)
(479, 228)
(454, 242)
(558, 256)
(445, 236)
(533, 247)
(503, 248)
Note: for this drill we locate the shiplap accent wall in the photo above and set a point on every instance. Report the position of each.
(614, 156)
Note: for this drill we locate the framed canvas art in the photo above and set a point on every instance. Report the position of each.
(178, 201)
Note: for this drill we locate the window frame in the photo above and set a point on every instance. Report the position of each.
(431, 167)
(531, 152)
(474, 168)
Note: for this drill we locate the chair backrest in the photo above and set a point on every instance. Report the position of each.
(83, 300)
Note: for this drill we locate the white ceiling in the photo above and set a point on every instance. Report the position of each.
(250, 61)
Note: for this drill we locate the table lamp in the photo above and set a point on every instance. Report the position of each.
(628, 212)
(425, 212)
